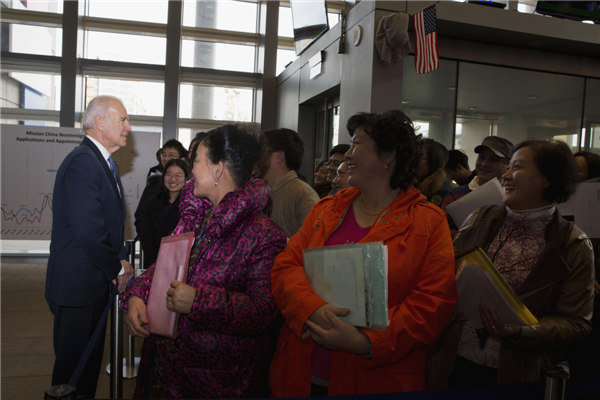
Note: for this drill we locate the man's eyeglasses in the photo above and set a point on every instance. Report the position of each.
(168, 155)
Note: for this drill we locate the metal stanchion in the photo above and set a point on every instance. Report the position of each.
(131, 364)
(131, 253)
(556, 381)
(125, 367)
(141, 257)
(116, 352)
(555, 388)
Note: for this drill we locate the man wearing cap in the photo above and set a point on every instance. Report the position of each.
(493, 156)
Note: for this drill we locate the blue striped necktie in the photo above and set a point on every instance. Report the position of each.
(113, 168)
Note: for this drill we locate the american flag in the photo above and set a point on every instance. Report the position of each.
(426, 47)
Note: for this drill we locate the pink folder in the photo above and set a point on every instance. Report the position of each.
(171, 265)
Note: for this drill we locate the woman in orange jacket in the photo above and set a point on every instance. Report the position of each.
(317, 353)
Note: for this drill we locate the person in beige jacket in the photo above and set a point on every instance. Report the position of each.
(292, 198)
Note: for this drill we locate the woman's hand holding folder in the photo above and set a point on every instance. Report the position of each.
(180, 297)
(495, 327)
(335, 334)
(319, 316)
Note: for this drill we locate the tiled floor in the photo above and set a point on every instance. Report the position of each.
(26, 354)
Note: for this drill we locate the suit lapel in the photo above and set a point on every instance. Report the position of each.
(116, 186)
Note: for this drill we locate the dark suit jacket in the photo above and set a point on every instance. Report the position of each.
(87, 240)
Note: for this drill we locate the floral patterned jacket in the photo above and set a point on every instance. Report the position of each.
(223, 346)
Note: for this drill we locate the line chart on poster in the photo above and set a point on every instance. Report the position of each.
(30, 159)
(24, 216)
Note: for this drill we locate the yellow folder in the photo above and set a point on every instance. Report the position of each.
(488, 287)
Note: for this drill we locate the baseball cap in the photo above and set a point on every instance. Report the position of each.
(498, 145)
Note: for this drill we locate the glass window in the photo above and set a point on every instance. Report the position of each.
(333, 19)
(131, 10)
(595, 138)
(139, 97)
(284, 57)
(34, 91)
(54, 6)
(34, 40)
(220, 103)
(428, 99)
(422, 128)
(125, 47)
(185, 136)
(334, 126)
(517, 105)
(232, 57)
(286, 26)
(228, 15)
(591, 117)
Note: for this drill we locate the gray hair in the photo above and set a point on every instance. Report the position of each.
(98, 106)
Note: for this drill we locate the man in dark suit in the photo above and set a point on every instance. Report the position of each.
(87, 253)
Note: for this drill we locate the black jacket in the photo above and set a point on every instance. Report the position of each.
(159, 220)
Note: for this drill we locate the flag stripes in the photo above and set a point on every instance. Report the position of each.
(426, 46)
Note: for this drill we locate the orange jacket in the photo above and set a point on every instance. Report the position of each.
(421, 299)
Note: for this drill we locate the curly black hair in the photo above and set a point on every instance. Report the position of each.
(393, 130)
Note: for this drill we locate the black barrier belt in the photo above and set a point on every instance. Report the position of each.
(90, 346)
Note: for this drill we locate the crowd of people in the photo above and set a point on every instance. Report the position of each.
(250, 323)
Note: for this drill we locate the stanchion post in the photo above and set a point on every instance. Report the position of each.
(131, 253)
(142, 256)
(130, 370)
(116, 352)
(556, 381)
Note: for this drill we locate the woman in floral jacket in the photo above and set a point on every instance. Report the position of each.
(226, 306)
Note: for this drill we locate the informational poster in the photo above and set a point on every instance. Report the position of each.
(31, 156)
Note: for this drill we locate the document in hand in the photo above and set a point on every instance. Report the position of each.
(352, 276)
(479, 282)
(171, 265)
(487, 194)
